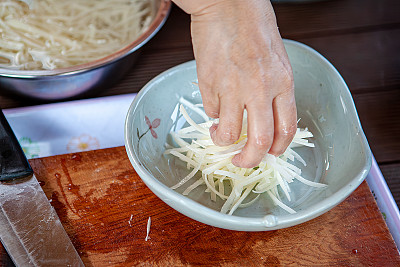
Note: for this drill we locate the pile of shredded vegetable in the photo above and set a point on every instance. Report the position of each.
(272, 176)
(49, 34)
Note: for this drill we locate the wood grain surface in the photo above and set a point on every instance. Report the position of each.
(104, 207)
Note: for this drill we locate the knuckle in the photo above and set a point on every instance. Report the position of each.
(211, 107)
(211, 111)
(288, 82)
(228, 137)
(291, 131)
(263, 142)
(283, 137)
(204, 83)
(287, 132)
(285, 77)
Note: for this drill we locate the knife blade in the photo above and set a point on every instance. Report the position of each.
(30, 229)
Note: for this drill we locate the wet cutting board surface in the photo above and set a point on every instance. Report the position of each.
(104, 207)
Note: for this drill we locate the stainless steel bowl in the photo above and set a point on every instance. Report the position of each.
(61, 84)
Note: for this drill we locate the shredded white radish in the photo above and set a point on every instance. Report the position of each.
(148, 229)
(130, 219)
(49, 34)
(214, 163)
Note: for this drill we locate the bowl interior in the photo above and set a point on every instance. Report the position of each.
(340, 159)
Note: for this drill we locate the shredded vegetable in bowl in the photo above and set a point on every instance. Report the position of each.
(226, 181)
(50, 34)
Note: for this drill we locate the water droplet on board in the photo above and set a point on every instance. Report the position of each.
(76, 157)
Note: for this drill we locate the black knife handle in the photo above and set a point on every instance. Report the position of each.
(13, 163)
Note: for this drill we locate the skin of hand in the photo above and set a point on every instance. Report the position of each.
(242, 64)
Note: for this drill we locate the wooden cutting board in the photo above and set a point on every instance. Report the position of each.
(104, 207)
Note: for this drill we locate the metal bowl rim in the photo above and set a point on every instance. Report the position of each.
(155, 26)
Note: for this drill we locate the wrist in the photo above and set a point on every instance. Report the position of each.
(196, 6)
(251, 11)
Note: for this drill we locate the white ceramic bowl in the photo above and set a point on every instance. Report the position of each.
(341, 159)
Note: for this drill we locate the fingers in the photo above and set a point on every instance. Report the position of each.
(209, 96)
(226, 107)
(230, 122)
(270, 130)
(272, 124)
(211, 102)
(285, 122)
(260, 134)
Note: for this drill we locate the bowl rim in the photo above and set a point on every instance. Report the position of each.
(158, 21)
(212, 217)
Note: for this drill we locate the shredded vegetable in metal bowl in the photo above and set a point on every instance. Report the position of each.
(272, 175)
(50, 34)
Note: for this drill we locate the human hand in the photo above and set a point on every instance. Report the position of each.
(242, 64)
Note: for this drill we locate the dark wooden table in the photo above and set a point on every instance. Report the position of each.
(360, 37)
